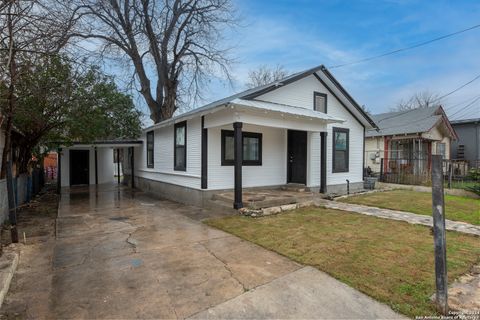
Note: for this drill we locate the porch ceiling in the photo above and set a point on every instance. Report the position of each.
(271, 115)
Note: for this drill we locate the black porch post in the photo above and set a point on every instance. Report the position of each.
(59, 170)
(204, 155)
(238, 157)
(323, 162)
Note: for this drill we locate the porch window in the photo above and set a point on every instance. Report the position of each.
(180, 152)
(340, 150)
(252, 148)
(441, 149)
(320, 102)
(150, 145)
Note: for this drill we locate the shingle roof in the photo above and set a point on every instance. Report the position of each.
(254, 92)
(405, 122)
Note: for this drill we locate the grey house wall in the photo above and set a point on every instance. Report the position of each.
(469, 136)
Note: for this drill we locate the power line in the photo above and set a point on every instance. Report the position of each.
(461, 87)
(405, 48)
(465, 107)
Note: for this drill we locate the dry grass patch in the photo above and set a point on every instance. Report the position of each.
(389, 260)
(456, 208)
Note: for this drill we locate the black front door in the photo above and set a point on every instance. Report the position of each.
(79, 167)
(297, 157)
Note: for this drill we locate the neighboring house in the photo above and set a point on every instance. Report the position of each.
(467, 147)
(90, 163)
(406, 136)
(304, 129)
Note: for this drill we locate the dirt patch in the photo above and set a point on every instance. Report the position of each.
(36, 219)
(29, 294)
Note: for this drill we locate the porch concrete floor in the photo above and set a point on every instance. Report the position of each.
(122, 254)
(265, 198)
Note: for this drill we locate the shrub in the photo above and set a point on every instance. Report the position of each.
(475, 189)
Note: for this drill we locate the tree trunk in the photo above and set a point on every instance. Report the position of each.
(170, 103)
(6, 149)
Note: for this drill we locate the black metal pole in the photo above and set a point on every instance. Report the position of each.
(12, 213)
(238, 158)
(96, 167)
(438, 209)
(323, 162)
(132, 167)
(118, 166)
(59, 170)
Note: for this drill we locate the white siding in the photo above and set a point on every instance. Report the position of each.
(273, 170)
(104, 163)
(163, 156)
(300, 94)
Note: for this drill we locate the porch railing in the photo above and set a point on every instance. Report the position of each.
(457, 173)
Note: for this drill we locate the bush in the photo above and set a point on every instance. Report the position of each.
(475, 189)
(474, 174)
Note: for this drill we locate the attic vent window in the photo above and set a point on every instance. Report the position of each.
(320, 102)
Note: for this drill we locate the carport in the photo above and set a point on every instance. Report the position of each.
(92, 163)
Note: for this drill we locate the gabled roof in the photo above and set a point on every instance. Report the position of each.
(249, 95)
(409, 122)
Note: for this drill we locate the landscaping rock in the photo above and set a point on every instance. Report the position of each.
(289, 207)
(272, 210)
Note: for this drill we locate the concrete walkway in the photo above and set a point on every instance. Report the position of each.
(401, 216)
(122, 254)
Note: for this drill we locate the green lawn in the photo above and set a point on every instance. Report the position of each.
(389, 260)
(456, 208)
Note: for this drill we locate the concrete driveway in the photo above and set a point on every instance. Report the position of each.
(122, 254)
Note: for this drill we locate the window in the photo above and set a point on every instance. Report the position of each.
(180, 152)
(150, 144)
(441, 149)
(340, 150)
(320, 102)
(252, 148)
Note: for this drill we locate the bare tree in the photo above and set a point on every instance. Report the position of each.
(173, 45)
(419, 100)
(265, 75)
(28, 29)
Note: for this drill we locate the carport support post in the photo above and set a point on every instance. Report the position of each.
(238, 157)
(96, 166)
(59, 170)
(118, 166)
(438, 209)
(323, 162)
(132, 166)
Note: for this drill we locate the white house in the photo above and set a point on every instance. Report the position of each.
(305, 129)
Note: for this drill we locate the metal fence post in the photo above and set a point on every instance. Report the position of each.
(12, 213)
(381, 169)
(438, 209)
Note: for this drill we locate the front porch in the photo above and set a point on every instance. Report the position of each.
(269, 197)
(263, 144)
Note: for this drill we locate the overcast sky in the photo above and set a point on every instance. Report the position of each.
(300, 34)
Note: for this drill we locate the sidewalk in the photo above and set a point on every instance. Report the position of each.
(401, 216)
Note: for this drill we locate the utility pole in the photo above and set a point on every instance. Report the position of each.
(438, 209)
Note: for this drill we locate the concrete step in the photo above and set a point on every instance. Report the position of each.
(295, 187)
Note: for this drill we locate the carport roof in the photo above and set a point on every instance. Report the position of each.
(106, 144)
